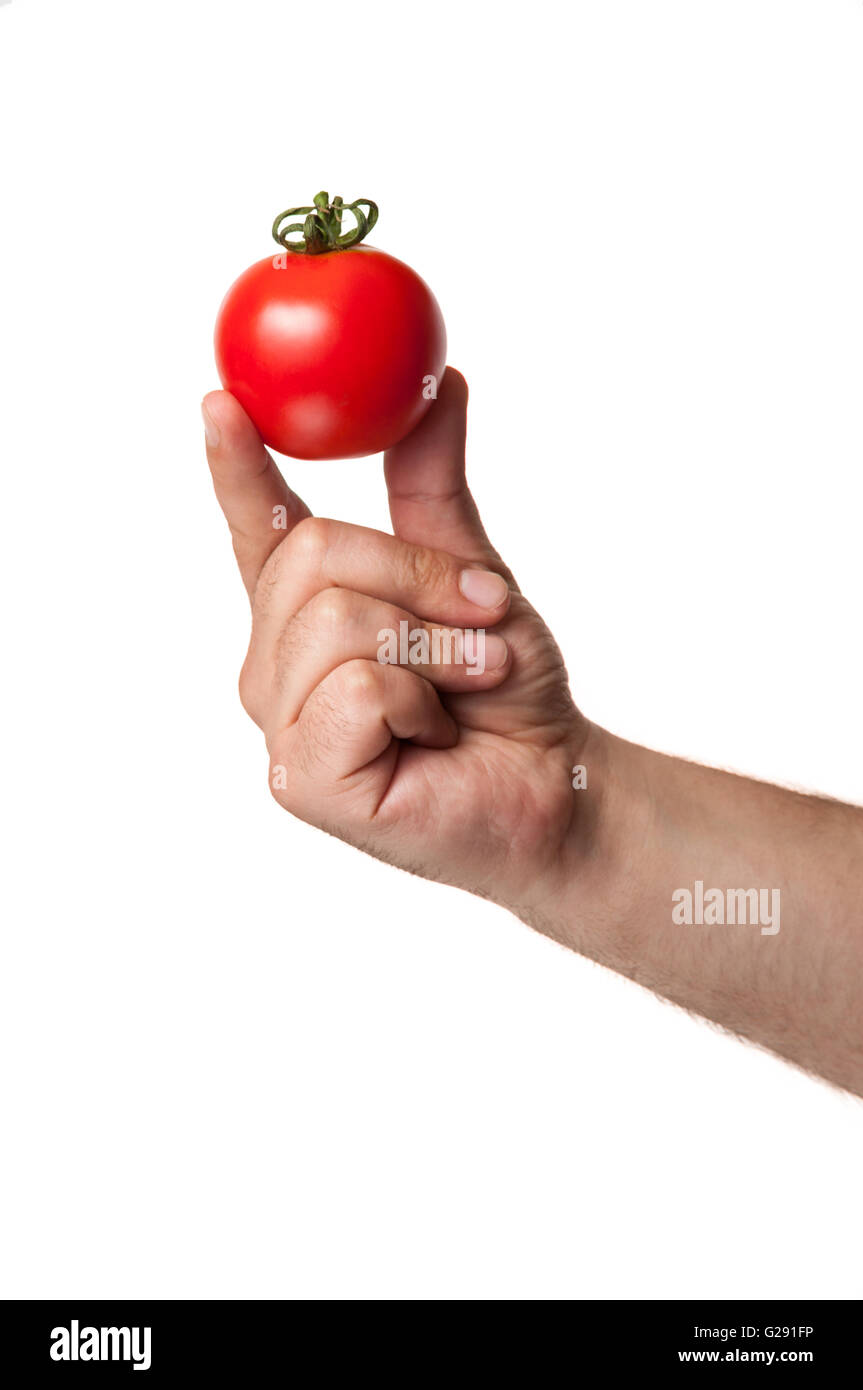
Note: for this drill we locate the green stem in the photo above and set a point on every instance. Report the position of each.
(321, 227)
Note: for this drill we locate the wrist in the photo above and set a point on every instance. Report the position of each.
(589, 901)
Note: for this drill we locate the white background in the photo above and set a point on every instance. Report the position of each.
(236, 1057)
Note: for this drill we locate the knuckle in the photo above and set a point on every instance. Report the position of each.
(309, 541)
(331, 609)
(248, 689)
(323, 617)
(358, 684)
(425, 568)
(305, 548)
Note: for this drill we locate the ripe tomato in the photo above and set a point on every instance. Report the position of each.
(333, 349)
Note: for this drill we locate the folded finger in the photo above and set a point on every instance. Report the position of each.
(321, 554)
(338, 626)
(348, 732)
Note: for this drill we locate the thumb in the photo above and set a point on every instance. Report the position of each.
(430, 503)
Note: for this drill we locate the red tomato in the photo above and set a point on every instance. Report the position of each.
(333, 355)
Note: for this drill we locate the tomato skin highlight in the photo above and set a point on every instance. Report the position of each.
(330, 354)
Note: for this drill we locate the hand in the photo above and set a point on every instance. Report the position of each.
(455, 775)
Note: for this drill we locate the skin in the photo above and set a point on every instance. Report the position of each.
(467, 778)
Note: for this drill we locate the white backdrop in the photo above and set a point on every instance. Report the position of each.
(239, 1059)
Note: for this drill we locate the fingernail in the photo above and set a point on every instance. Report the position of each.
(211, 429)
(483, 587)
(496, 652)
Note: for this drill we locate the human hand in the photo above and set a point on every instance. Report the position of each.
(455, 774)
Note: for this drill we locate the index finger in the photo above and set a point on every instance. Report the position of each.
(259, 507)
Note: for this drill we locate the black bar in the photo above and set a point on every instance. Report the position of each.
(198, 1342)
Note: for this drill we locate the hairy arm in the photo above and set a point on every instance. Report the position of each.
(787, 972)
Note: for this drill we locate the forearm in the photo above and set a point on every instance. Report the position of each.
(671, 849)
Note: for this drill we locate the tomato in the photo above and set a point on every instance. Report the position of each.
(333, 349)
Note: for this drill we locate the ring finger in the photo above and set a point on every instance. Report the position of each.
(338, 625)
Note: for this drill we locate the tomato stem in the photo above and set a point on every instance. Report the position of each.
(322, 225)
